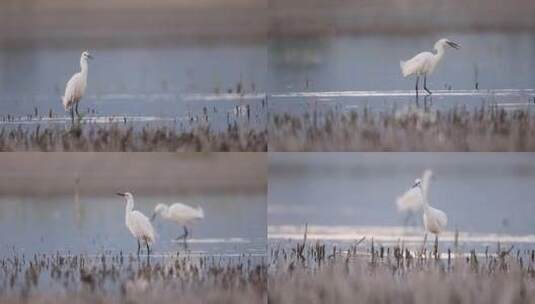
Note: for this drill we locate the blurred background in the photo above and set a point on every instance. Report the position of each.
(488, 197)
(66, 202)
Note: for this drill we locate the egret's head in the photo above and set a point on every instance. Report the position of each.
(417, 183)
(445, 42)
(86, 56)
(126, 195)
(157, 210)
(160, 208)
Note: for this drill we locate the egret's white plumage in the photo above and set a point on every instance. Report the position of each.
(435, 220)
(179, 213)
(425, 63)
(411, 200)
(138, 224)
(76, 86)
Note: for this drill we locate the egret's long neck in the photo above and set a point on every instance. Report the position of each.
(84, 66)
(424, 198)
(439, 53)
(129, 207)
(165, 212)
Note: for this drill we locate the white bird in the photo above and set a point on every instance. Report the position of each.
(435, 220)
(181, 214)
(75, 88)
(425, 63)
(138, 224)
(411, 200)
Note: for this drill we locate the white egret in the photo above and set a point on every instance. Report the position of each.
(138, 224)
(425, 63)
(181, 214)
(435, 220)
(411, 201)
(75, 88)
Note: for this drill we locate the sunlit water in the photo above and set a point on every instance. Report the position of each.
(234, 225)
(344, 196)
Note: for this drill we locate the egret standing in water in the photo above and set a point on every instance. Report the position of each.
(425, 63)
(75, 88)
(138, 224)
(411, 201)
(181, 214)
(435, 220)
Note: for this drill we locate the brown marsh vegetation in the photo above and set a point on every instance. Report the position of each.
(314, 272)
(486, 128)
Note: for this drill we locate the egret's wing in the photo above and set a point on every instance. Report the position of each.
(411, 200)
(72, 91)
(185, 212)
(415, 64)
(142, 226)
(440, 216)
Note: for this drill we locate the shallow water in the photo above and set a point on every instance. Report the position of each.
(495, 60)
(172, 81)
(351, 72)
(487, 197)
(234, 225)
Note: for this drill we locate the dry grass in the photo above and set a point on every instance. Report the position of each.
(127, 279)
(314, 273)
(486, 128)
(118, 138)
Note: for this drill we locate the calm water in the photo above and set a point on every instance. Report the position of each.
(340, 193)
(233, 225)
(180, 81)
(352, 72)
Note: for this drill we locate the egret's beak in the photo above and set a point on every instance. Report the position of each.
(454, 45)
(153, 217)
(90, 56)
(120, 194)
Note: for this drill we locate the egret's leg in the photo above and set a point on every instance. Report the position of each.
(425, 85)
(72, 114)
(138, 247)
(423, 245)
(148, 249)
(186, 232)
(76, 109)
(183, 236)
(417, 80)
(435, 249)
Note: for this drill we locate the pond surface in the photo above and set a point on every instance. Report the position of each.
(488, 197)
(234, 225)
(224, 82)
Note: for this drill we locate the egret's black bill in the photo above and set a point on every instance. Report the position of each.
(120, 194)
(454, 45)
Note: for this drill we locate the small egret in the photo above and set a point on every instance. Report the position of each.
(411, 201)
(75, 88)
(425, 62)
(179, 213)
(138, 224)
(435, 220)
